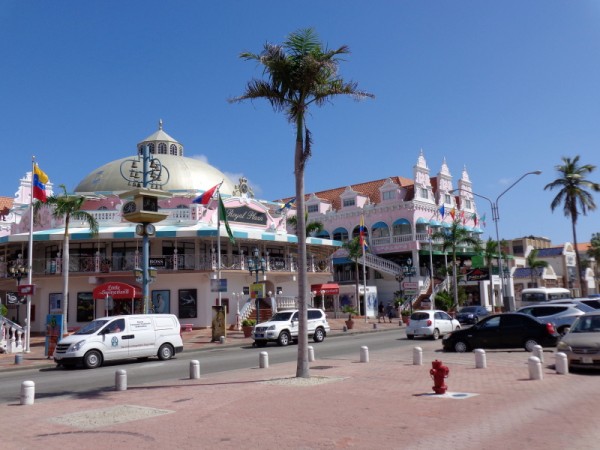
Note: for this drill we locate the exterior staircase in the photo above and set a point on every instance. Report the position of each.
(380, 264)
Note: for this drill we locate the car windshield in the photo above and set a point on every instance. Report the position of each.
(583, 307)
(586, 324)
(468, 309)
(92, 327)
(281, 316)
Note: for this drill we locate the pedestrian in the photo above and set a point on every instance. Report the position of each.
(390, 312)
(381, 314)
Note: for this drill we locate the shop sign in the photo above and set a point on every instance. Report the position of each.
(244, 214)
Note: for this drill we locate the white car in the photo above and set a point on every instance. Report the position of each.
(283, 327)
(430, 323)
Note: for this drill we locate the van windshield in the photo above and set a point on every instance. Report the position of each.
(92, 327)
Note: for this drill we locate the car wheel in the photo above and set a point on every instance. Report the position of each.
(436, 334)
(410, 337)
(319, 335)
(165, 352)
(529, 344)
(261, 343)
(92, 359)
(461, 347)
(457, 328)
(283, 339)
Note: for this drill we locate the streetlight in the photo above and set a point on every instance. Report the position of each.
(409, 271)
(144, 207)
(508, 301)
(257, 264)
(17, 271)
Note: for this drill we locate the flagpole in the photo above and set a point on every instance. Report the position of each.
(364, 281)
(29, 262)
(219, 246)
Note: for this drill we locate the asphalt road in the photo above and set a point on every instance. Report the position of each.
(58, 382)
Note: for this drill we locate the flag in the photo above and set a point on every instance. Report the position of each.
(462, 216)
(288, 205)
(474, 217)
(39, 184)
(223, 217)
(453, 213)
(483, 220)
(361, 231)
(442, 211)
(205, 197)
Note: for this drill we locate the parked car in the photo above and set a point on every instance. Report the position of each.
(590, 301)
(582, 343)
(430, 323)
(508, 330)
(283, 327)
(560, 315)
(472, 314)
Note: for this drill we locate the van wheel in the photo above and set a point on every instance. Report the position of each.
(436, 334)
(165, 352)
(319, 335)
(92, 359)
(283, 339)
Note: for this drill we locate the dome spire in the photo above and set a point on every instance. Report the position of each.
(160, 124)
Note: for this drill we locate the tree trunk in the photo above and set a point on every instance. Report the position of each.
(302, 368)
(580, 276)
(65, 273)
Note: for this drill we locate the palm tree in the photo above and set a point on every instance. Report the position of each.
(313, 227)
(452, 238)
(534, 264)
(354, 253)
(575, 198)
(490, 251)
(300, 72)
(68, 207)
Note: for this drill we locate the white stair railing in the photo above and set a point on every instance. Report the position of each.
(381, 264)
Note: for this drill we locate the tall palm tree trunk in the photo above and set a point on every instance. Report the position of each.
(302, 369)
(580, 276)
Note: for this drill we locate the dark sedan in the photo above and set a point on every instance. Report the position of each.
(508, 330)
(472, 314)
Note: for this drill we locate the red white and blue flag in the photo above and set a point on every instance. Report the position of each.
(206, 196)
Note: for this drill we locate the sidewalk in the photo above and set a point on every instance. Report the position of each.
(384, 403)
(192, 340)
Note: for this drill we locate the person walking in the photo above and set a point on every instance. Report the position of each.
(390, 312)
(381, 314)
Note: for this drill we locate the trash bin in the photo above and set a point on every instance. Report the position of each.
(18, 358)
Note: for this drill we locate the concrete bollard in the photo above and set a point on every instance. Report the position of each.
(18, 358)
(311, 353)
(480, 359)
(27, 392)
(121, 380)
(194, 369)
(364, 354)
(417, 356)
(561, 363)
(263, 360)
(374, 326)
(538, 352)
(344, 328)
(535, 368)
(222, 339)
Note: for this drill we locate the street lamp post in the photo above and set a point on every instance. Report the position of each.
(409, 271)
(257, 264)
(18, 271)
(323, 299)
(508, 301)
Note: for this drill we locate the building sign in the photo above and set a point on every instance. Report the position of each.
(218, 285)
(157, 262)
(26, 289)
(478, 275)
(116, 290)
(244, 214)
(257, 290)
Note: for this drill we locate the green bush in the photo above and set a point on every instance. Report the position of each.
(248, 322)
(3, 310)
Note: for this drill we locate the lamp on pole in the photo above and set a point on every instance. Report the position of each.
(257, 264)
(17, 271)
(508, 301)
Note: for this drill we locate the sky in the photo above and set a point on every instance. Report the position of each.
(502, 88)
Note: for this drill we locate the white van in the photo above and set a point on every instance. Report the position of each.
(121, 337)
(531, 296)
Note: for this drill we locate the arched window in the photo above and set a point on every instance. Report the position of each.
(356, 231)
(340, 234)
(380, 229)
(401, 227)
(173, 149)
(323, 235)
(152, 148)
(162, 148)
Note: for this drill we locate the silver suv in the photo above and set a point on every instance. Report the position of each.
(561, 315)
(283, 327)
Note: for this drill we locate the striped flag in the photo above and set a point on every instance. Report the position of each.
(39, 184)
(362, 232)
(206, 196)
(223, 217)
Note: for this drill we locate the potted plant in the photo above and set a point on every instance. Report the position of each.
(248, 326)
(405, 313)
(350, 310)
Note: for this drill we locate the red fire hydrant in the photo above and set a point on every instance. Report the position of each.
(439, 372)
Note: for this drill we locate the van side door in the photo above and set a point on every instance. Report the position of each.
(143, 337)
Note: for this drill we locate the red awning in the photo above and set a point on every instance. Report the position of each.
(117, 290)
(329, 288)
